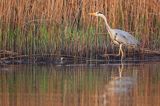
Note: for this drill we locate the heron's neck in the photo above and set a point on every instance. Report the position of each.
(107, 26)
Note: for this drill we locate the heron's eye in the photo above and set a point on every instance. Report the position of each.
(99, 12)
(116, 33)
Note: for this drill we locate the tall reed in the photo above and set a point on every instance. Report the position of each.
(64, 27)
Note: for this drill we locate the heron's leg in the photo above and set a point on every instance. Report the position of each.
(119, 53)
(121, 50)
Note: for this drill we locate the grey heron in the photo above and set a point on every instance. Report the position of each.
(119, 37)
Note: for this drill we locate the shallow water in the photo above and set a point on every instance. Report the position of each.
(80, 85)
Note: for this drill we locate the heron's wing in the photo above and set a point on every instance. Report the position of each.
(125, 38)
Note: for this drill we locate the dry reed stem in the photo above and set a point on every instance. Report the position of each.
(21, 24)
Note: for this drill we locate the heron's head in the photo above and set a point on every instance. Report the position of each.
(96, 14)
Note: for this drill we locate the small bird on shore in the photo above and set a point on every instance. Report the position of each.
(119, 37)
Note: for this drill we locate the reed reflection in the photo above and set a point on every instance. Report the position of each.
(106, 85)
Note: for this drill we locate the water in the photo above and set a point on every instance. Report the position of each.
(80, 85)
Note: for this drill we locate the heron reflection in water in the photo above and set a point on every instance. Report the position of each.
(118, 87)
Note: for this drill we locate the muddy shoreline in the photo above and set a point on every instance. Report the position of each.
(67, 59)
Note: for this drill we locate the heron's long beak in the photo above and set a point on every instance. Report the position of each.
(94, 14)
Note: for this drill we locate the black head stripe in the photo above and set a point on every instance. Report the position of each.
(99, 12)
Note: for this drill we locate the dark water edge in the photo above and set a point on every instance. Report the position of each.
(9, 57)
(65, 60)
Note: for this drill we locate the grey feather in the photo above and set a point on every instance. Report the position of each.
(124, 37)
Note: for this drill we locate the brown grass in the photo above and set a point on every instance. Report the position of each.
(60, 26)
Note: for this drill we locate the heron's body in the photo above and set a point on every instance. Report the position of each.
(123, 37)
(119, 37)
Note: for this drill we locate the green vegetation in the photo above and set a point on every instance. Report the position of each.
(64, 27)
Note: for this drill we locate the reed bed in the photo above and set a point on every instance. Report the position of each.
(61, 27)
